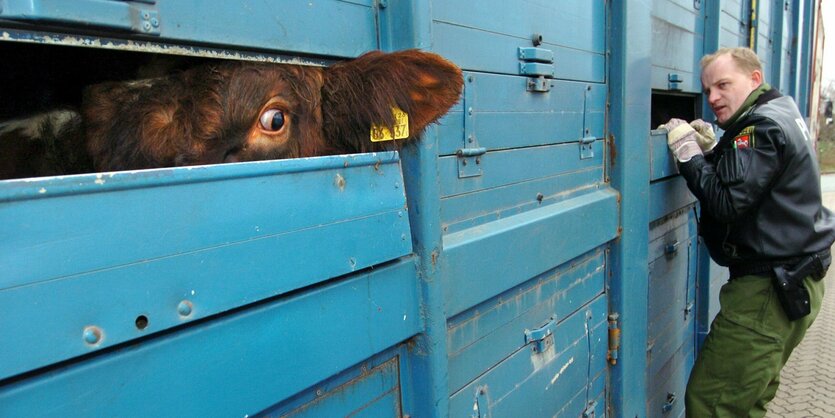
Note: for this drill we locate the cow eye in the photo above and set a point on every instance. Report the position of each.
(272, 120)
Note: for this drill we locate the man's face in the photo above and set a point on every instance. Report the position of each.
(726, 86)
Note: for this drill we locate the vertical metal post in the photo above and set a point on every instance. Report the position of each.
(713, 15)
(630, 43)
(777, 53)
(429, 385)
(806, 35)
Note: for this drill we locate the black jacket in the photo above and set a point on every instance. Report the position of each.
(760, 189)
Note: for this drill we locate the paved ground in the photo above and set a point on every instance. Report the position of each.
(807, 387)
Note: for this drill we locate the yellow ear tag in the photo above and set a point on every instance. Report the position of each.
(401, 128)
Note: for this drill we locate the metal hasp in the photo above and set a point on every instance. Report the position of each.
(586, 141)
(586, 150)
(139, 18)
(470, 154)
(589, 412)
(668, 405)
(614, 339)
(542, 338)
(481, 409)
(538, 63)
(674, 81)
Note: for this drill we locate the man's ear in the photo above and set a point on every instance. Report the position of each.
(757, 78)
(362, 93)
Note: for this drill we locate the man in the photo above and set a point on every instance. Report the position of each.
(761, 215)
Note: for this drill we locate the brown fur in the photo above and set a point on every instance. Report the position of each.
(210, 114)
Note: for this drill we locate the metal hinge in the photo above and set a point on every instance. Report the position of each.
(470, 154)
(614, 339)
(687, 310)
(587, 140)
(542, 338)
(481, 407)
(589, 412)
(668, 404)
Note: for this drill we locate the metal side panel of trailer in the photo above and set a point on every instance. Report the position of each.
(484, 271)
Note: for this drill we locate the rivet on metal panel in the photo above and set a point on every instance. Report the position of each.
(146, 26)
(536, 39)
(92, 335)
(185, 308)
(539, 197)
(383, 4)
(155, 22)
(697, 4)
(319, 392)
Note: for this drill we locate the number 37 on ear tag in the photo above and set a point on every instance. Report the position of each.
(401, 128)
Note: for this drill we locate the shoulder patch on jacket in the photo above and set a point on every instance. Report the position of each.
(745, 138)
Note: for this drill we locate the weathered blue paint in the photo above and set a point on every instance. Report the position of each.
(122, 245)
(233, 364)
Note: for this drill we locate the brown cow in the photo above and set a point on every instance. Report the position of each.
(236, 111)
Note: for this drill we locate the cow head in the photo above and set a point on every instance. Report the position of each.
(244, 111)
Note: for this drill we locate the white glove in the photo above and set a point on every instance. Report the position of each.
(704, 135)
(682, 140)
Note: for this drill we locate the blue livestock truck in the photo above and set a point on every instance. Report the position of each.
(535, 254)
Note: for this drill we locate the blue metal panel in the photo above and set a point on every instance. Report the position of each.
(371, 390)
(670, 384)
(677, 43)
(236, 364)
(468, 210)
(667, 196)
(734, 23)
(343, 28)
(502, 167)
(480, 41)
(484, 335)
(506, 115)
(534, 236)
(121, 245)
(532, 384)
(662, 163)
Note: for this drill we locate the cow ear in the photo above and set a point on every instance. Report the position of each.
(363, 92)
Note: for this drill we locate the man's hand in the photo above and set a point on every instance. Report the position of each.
(682, 140)
(704, 135)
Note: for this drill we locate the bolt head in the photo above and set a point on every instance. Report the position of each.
(92, 335)
(185, 308)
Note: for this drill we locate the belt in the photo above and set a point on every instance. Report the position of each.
(766, 268)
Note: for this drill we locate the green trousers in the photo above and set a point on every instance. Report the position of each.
(738, 370)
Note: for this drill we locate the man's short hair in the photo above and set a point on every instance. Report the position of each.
(744, 58)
